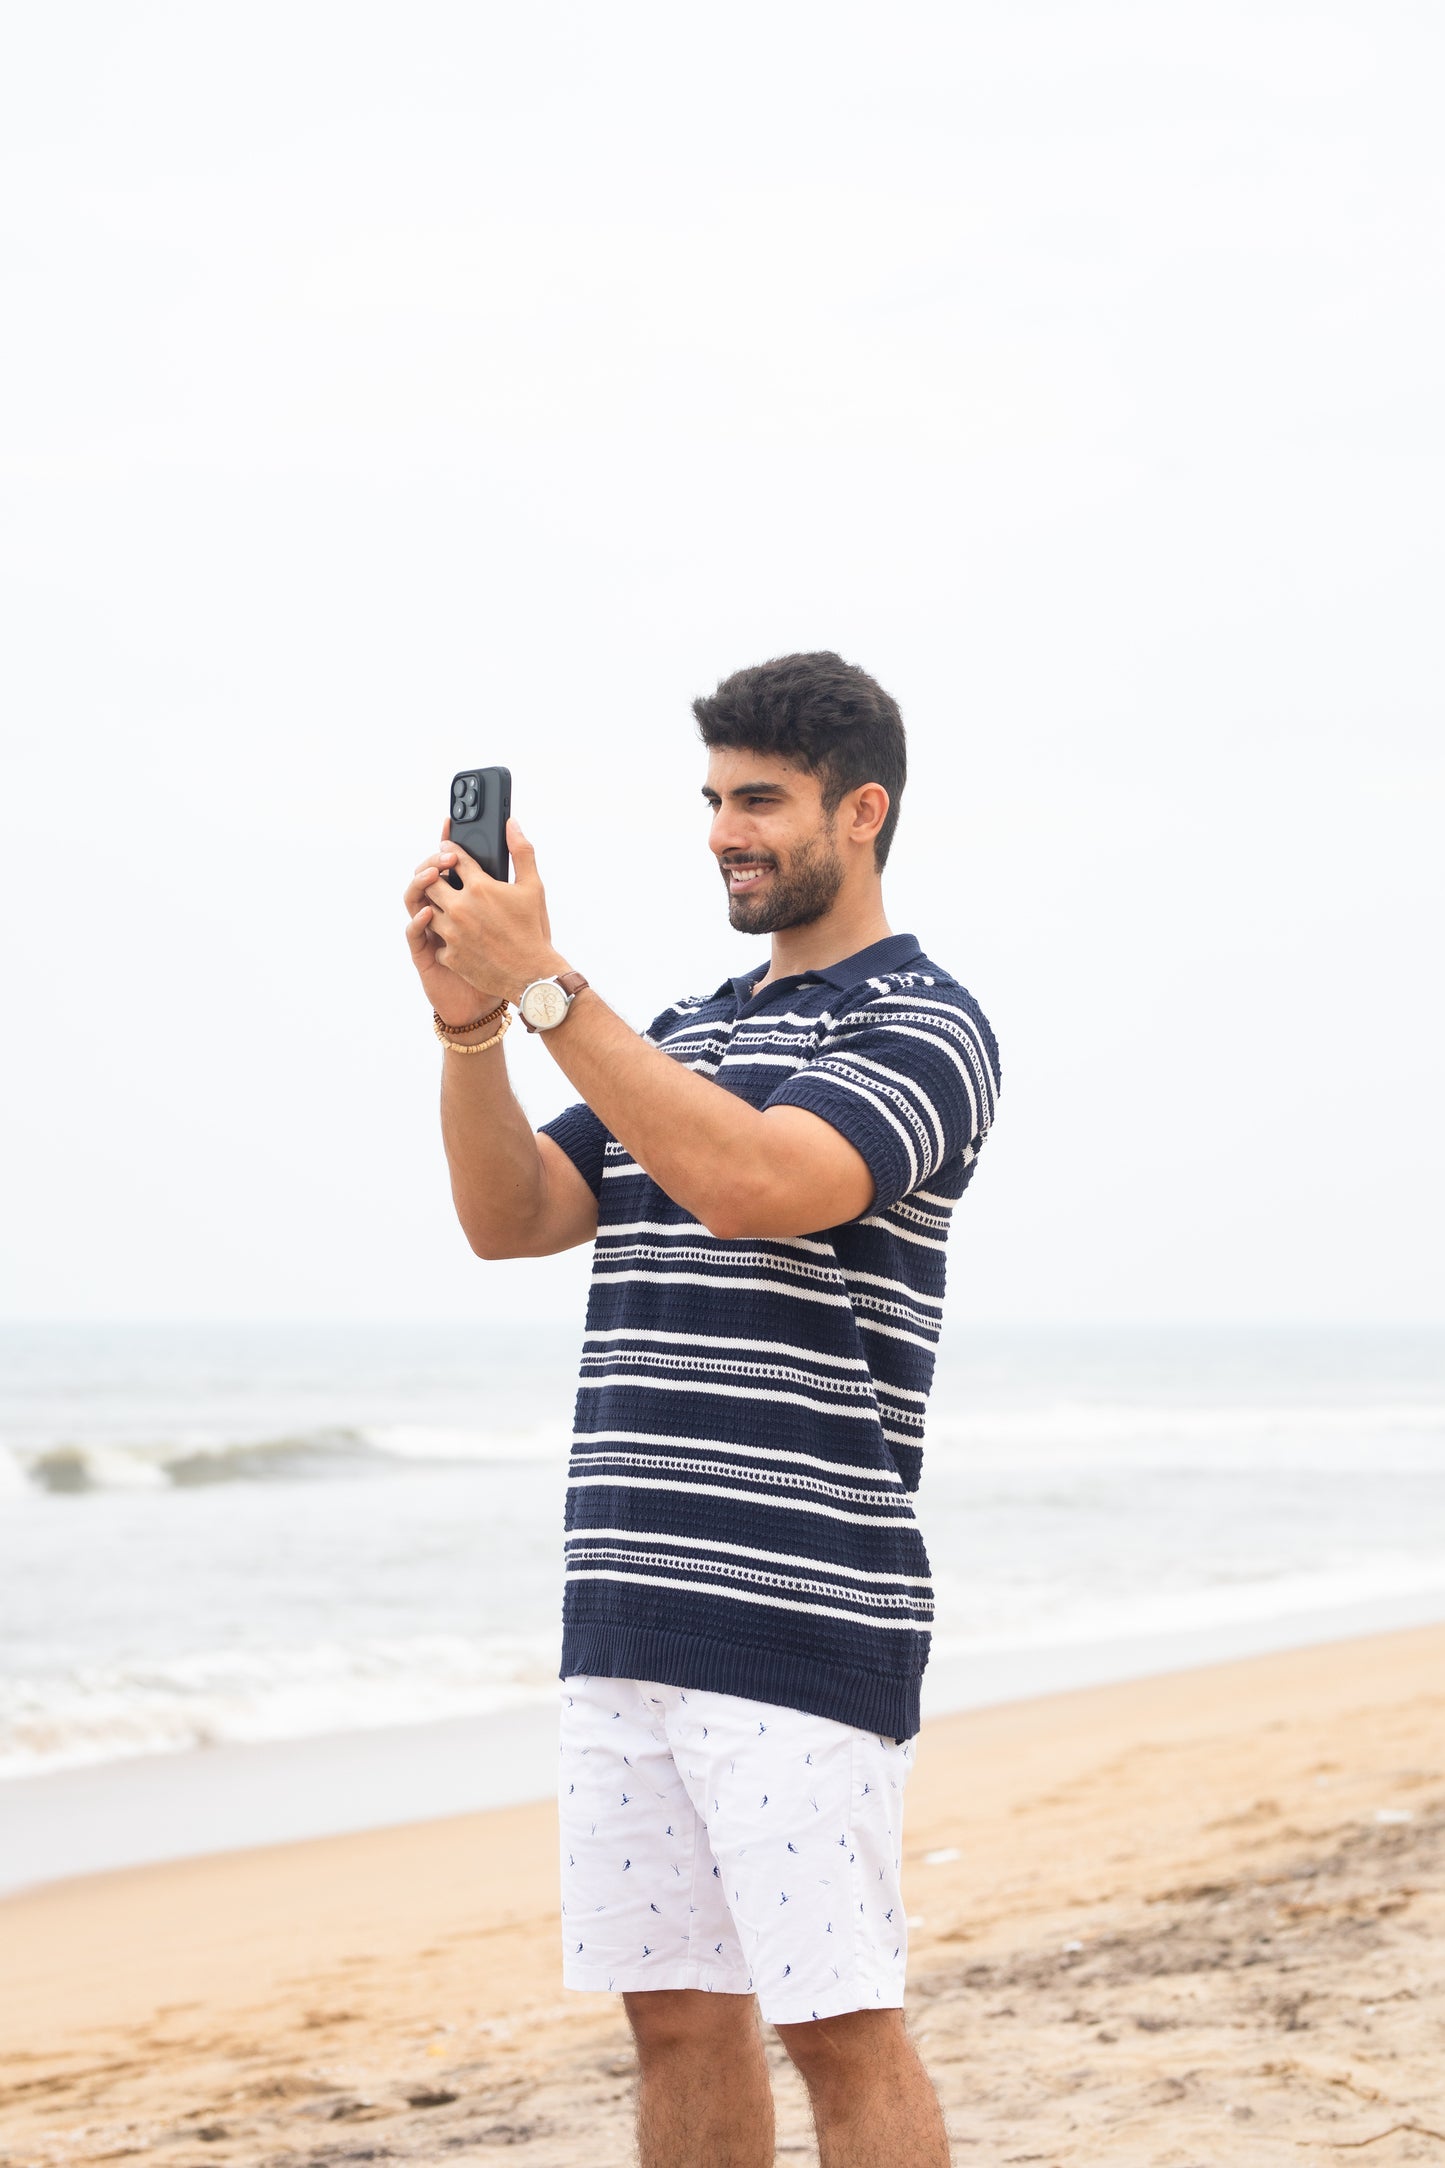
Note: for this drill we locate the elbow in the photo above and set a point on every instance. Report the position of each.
(493, 1234)
(491, 1245)
(488, 1249)
(742, 1210)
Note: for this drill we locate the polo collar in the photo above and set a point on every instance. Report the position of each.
(893, 953)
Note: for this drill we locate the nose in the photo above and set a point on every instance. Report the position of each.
(729, 833)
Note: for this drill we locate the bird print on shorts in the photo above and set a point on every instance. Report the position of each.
(660, 1870)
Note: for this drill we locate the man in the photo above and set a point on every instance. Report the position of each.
(768, 1175)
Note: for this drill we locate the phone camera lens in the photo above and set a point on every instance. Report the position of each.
(459, 809)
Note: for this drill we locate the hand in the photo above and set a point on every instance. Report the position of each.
(455, 1001)
(491, 935)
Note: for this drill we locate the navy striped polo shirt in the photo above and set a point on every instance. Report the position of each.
(749, 1424)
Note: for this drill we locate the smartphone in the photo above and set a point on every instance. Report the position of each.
(480, 803)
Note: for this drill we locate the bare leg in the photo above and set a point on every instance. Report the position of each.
(873, 2103)
(704, 2099)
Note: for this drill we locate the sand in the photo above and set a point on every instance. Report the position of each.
(1190, 1920)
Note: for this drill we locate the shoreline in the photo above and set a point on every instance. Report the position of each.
(147, 1810)
(1186, 1918)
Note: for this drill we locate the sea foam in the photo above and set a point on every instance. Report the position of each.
(211, 1697)
(71, 1465)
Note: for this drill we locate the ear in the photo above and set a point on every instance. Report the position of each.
(869, 805)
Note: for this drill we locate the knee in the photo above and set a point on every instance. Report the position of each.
(843, 2052)
(668, 2023)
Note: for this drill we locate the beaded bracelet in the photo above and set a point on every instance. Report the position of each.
(455, 1031)
(454, 1046)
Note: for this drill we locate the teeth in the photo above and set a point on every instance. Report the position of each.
(739, 874)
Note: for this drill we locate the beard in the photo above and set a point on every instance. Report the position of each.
(797, 894)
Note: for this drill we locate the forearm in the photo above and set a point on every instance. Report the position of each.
(699, 1143)
(780, 1171)
(498, 1181)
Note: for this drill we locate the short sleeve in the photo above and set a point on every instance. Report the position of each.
(909, 1076)
(584, 1139)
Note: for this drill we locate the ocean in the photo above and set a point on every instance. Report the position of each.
(223, 1536)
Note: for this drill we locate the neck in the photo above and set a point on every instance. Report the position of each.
(853, 923)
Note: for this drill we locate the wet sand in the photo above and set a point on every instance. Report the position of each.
(1186, 1920)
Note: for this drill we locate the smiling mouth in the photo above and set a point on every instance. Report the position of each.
(741, 877)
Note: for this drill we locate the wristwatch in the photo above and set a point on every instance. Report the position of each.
(546, 1001)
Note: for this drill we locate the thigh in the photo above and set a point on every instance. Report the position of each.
(641, 1908)
(804, 1818)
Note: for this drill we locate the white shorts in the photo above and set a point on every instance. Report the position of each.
(730, 1845)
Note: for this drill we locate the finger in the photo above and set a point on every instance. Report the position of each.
(447, 857)
(524, 858)
(425, 877)
(416, 931)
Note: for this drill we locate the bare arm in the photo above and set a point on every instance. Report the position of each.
(738, 1170)
(517, 1194)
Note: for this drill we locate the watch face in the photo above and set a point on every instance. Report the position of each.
(544, 1005)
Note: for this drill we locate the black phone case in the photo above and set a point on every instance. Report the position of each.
(480, 802)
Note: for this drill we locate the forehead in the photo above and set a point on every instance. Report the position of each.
(735, 768)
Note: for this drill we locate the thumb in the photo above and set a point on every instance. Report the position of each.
(524, 858)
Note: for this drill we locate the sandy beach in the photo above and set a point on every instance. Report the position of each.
(1185, 1920)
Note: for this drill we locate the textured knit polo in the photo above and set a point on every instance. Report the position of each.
(749, 1424)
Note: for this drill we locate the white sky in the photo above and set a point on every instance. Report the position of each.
(392, 388)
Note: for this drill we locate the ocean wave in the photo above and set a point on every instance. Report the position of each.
(213, 1697)
(1229, 1433)
(100, 1713)
(76, 1465)
(1064, 1432)
(1222, 1601)
(1040, 1620)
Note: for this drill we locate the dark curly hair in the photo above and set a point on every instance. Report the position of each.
(821, 713)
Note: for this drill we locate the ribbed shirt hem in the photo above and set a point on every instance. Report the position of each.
(867, 1700)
